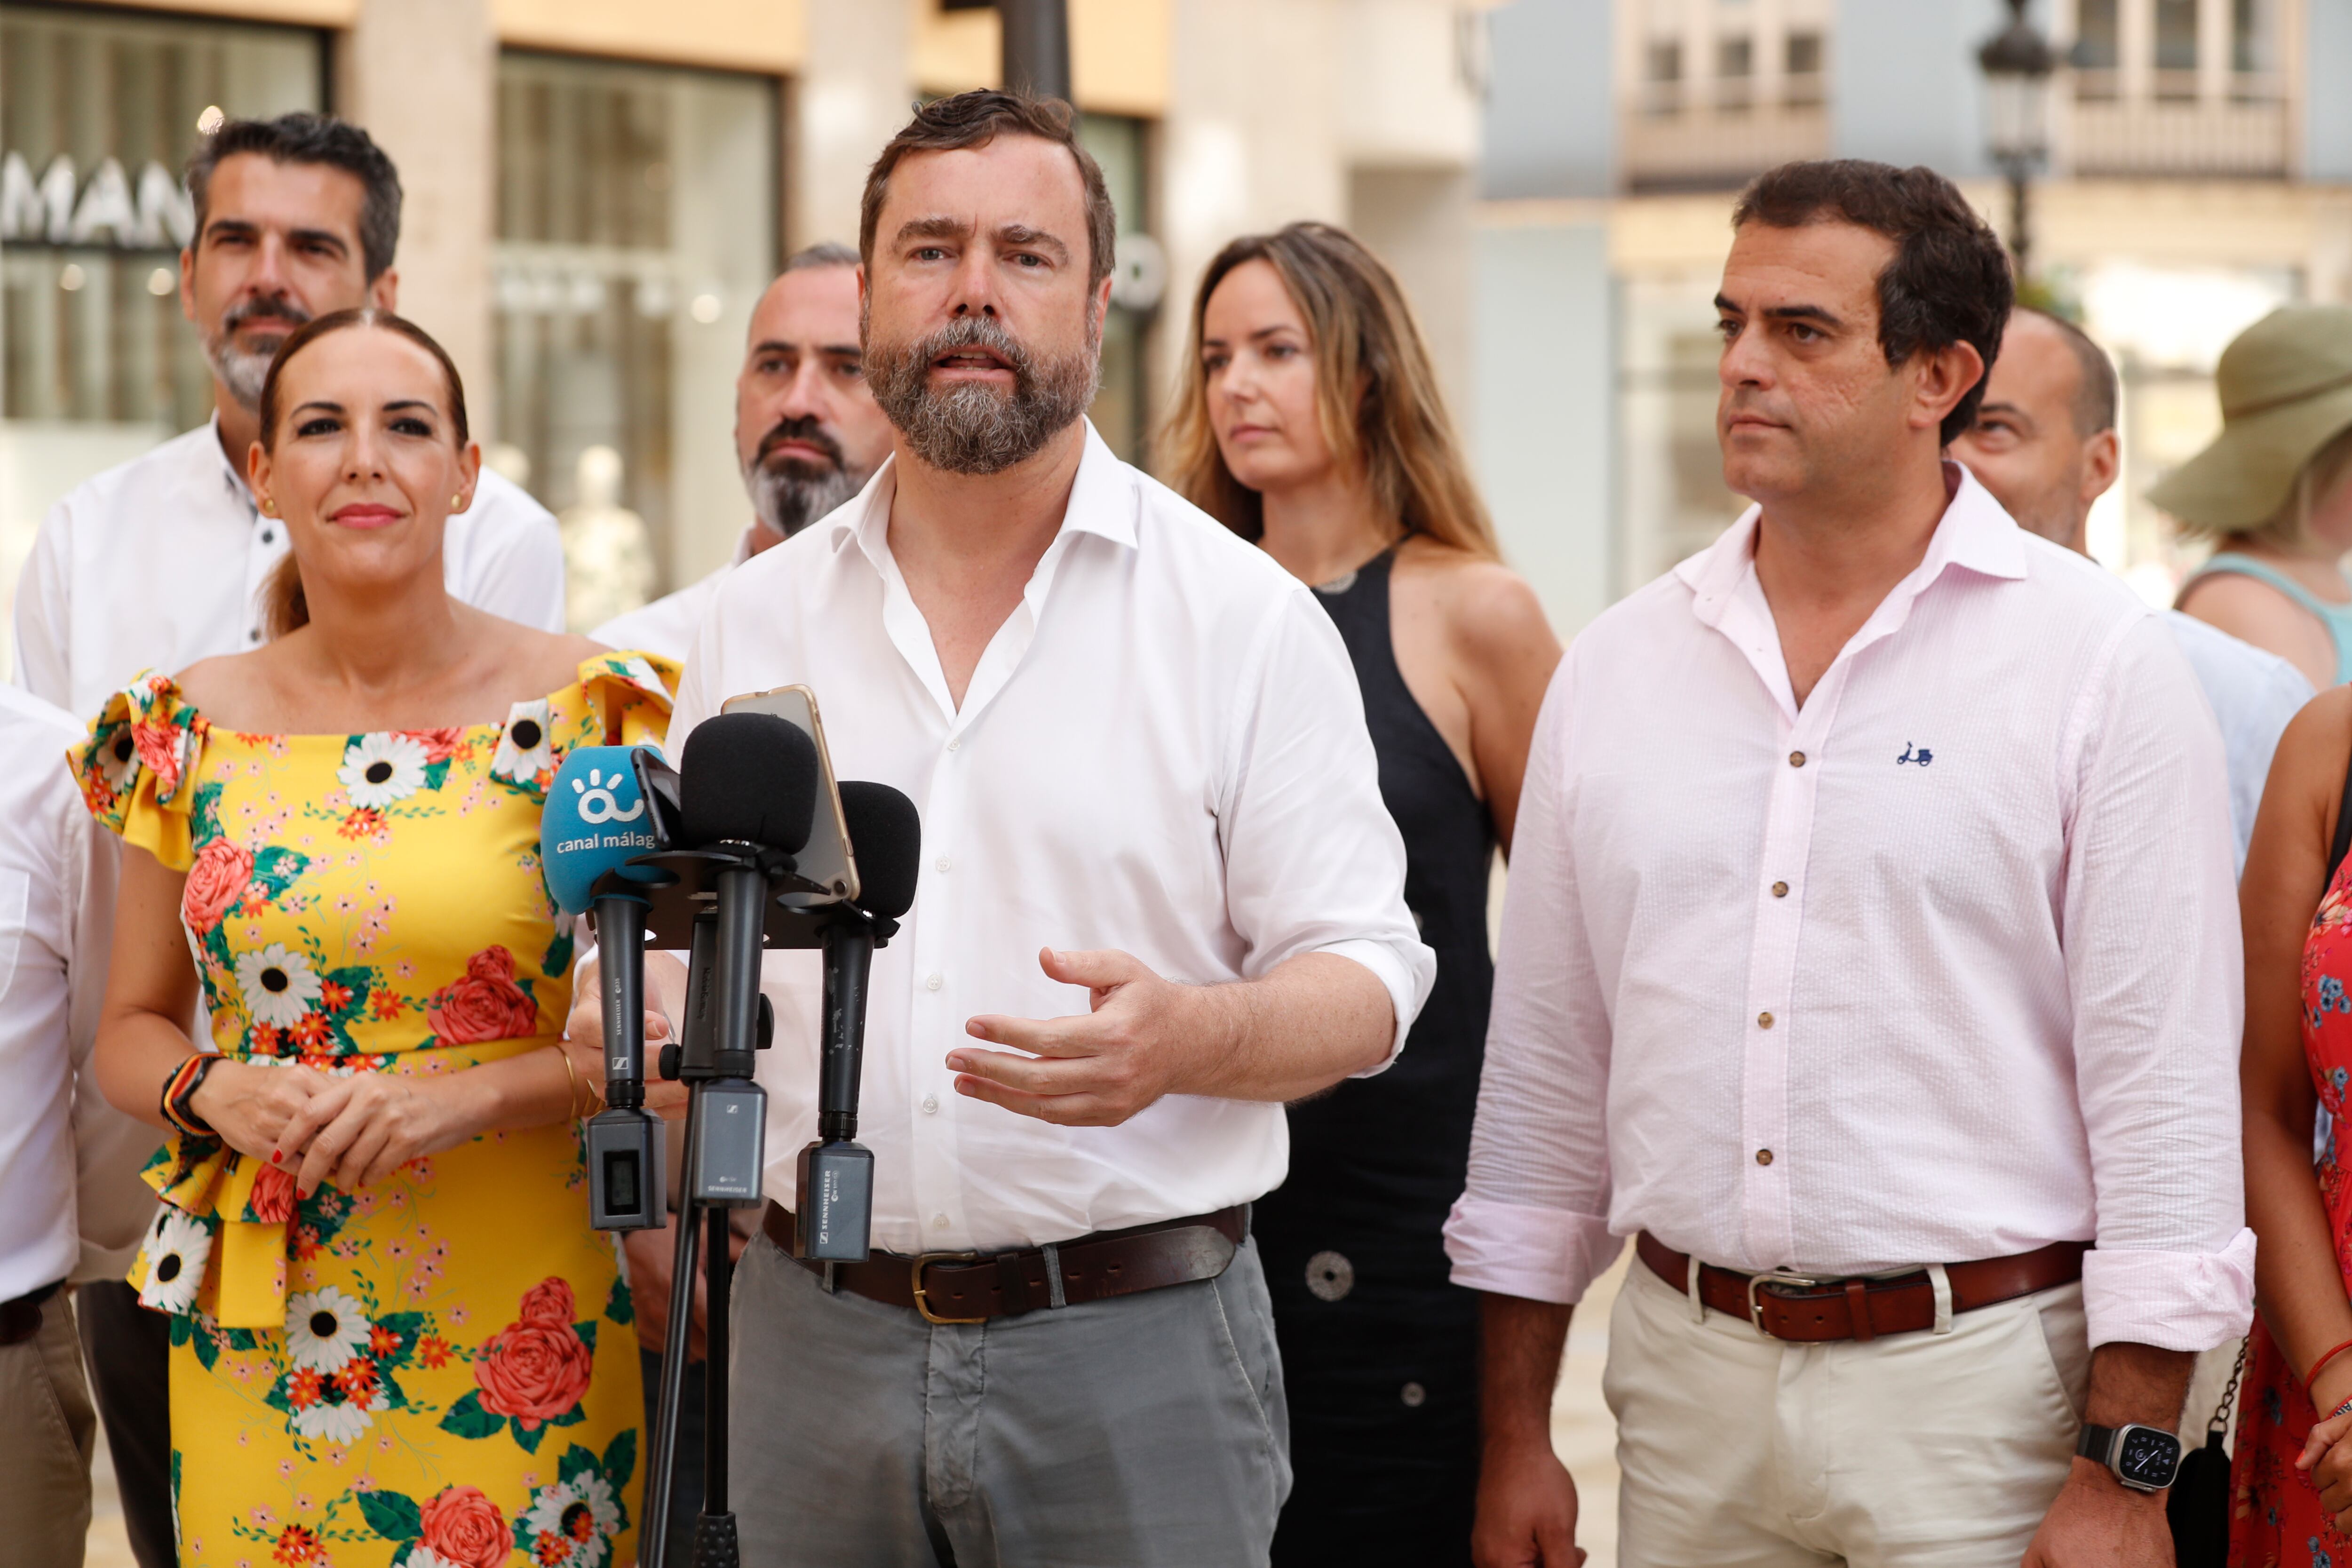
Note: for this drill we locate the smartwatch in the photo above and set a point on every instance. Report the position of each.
(2145, 1458)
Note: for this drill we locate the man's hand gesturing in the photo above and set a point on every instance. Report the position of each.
(1146, 1038)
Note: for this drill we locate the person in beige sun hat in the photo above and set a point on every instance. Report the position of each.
(2274, 492)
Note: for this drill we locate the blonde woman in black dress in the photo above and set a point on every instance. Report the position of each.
(1312, 425)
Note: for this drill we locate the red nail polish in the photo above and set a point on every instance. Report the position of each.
(275, 1158)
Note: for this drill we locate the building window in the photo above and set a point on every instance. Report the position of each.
(1122, 408)
(2175, 48)
(2098, 49)
(1734, 64)
(98, 118)
(636, 229)
(1662, 84)
(1803, 69)
(2253, 48)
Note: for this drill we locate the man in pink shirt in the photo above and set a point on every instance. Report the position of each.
(1871, 954)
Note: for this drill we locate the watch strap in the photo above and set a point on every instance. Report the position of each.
(2096, 1444)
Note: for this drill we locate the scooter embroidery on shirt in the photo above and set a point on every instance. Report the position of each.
(1914, 753)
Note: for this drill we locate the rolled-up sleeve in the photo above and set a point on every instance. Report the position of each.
(1533, 1219)
(1313, 861)
(2156, 975)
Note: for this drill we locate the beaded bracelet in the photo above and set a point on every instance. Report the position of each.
(180, 1088)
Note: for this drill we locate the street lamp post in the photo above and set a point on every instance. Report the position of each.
(2017, 62)
(1036, 47)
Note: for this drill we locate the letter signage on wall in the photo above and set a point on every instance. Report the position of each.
(104, 211)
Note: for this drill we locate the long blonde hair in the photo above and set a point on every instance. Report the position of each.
(1363, 335)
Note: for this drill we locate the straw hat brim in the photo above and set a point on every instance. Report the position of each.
(2249, 471)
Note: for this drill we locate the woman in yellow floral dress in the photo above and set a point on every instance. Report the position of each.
(396, 1339)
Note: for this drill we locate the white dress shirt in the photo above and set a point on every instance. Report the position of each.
(2254, 694)
(48, 1007)
(1942, 965)
(1162, 750)
(666, 626)
(158, 562)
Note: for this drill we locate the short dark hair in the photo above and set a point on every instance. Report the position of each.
(2097, 395)
(974, 119)
(823, 253)
(305, 138)
(1949, 281)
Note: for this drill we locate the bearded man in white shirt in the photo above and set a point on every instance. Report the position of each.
(1137, 745)
(807, 432)
(161, 562)
(1870, 953)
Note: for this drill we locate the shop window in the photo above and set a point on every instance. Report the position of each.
(636, 229)
(98, 118)
(1662, 76)
(1122, 409)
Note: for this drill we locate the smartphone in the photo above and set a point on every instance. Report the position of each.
(825, 859)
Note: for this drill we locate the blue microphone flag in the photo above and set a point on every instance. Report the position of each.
(595, 820)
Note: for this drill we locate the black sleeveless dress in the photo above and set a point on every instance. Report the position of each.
(1380, 1351)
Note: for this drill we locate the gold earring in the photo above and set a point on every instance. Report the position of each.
(458, 501)
(268, 506)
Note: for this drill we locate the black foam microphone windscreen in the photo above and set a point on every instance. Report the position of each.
(885, 835)
(748, 777)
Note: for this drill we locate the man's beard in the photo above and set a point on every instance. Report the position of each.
(244, 371)
(789, 493)
(970, 427)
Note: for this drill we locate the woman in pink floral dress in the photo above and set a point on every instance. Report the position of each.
(396, 1340)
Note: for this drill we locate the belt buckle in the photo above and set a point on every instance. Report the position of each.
(1757, 1282)
(922, 1303)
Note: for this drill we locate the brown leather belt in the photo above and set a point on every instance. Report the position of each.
(1809, 1311)
(966, 1287)
(20, 1319)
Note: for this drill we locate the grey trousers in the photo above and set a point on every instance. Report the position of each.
(1123, 1434)
(52, 1431)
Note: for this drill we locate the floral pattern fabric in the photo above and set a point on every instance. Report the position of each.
(439, 1370)
(2277, 1520)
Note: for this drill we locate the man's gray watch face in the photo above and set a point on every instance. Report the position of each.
(2148, 1457)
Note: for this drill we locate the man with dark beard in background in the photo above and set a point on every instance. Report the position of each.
(807, 433)
(1137, 745)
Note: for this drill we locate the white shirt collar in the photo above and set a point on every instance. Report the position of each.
(1975, 534)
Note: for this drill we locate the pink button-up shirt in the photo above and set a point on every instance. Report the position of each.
(1942, 965)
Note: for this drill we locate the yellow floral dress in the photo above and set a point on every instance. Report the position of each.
(438, 1371)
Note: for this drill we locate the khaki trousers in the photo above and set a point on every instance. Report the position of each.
(1929, 1451)
(51, 1429)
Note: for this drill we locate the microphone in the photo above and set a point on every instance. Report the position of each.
(748, 796)
(832, 1211)
(595, 819)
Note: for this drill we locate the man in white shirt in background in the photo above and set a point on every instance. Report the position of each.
(807, 432)
(2044, 444)
(52, 977)
(1870, 950)
(158, 562)
(1138, 745)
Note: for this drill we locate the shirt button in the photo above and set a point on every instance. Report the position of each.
(1796, 759)
(1763, 1157)
(930, 1105)
(1414, 1395)
(1780, 889)
(932, 983)
(944, 863)
(1763, 1020)
(253, 635)
(938, 1222)
(267, 537)
(953, 744)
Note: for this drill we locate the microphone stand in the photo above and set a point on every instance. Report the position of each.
(728, 892)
